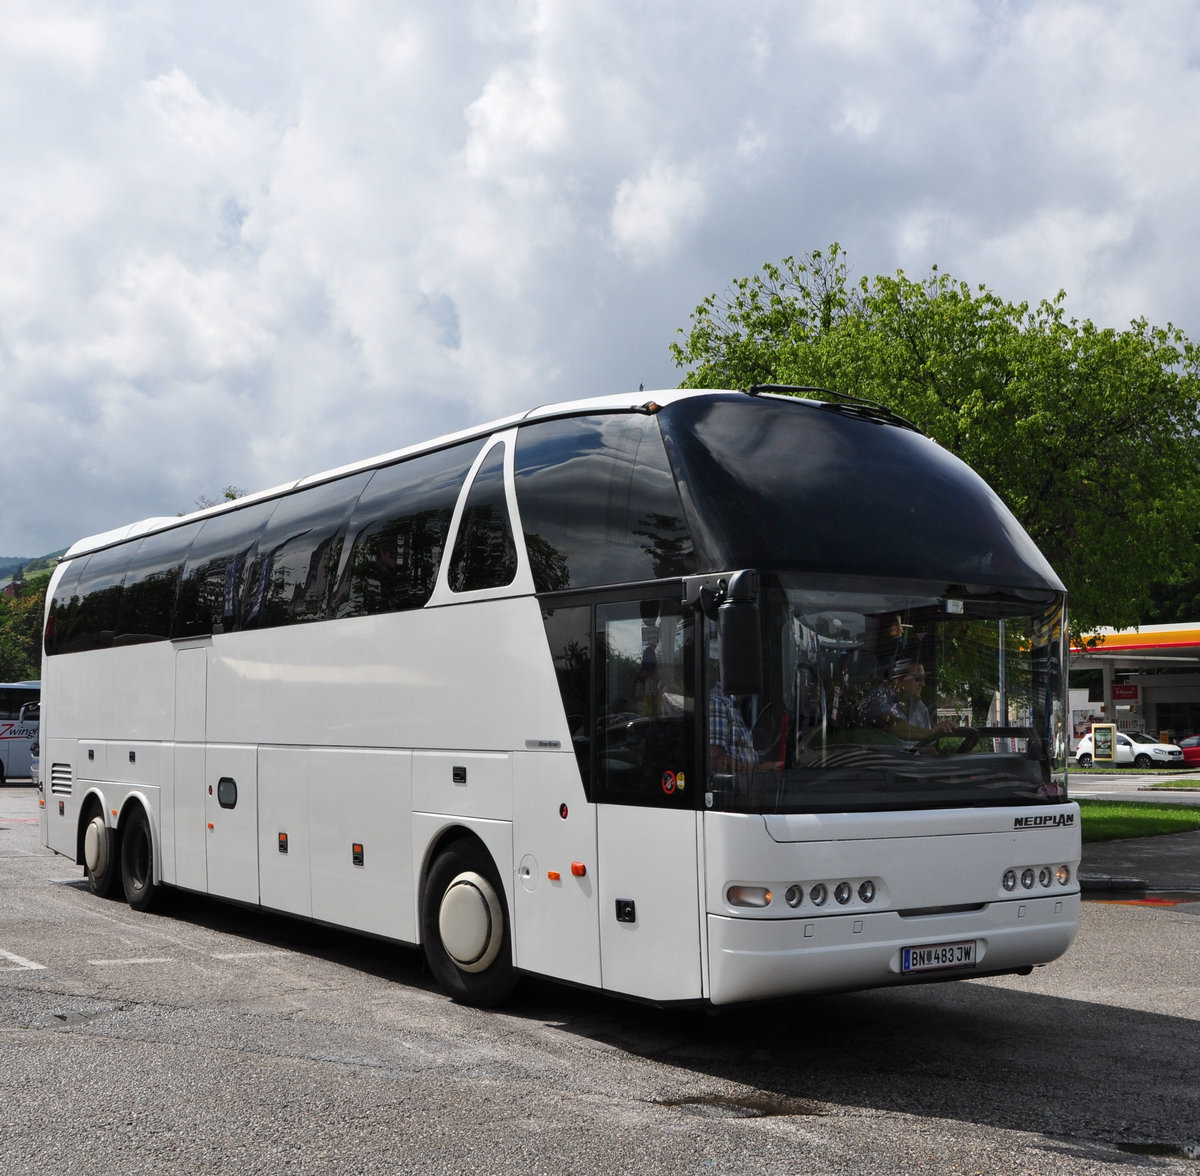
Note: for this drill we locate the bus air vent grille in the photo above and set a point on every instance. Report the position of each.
(60, 779)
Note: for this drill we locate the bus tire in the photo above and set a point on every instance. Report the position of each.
(464, 927)
(101, 865)
(137, 860)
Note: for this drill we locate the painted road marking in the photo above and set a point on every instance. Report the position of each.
(116, 963)
(20, 962)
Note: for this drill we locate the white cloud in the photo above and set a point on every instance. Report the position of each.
(653, 212)
(245, 243)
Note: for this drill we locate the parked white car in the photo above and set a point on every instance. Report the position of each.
(1136, 748)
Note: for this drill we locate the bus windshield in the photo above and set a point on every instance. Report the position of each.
(881, 699)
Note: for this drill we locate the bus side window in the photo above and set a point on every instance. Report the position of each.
(598, 503)
(398, 531)
(485, 555)
(151, 584)
(215, 569)
(645, 719)
(569, 633)
(297, 554)
(99, 591)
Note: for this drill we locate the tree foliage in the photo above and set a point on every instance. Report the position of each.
(21, 634)
(1089, 434)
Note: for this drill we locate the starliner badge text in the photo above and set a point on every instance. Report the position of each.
(1045, 821)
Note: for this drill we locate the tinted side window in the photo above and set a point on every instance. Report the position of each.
(295, 563)
(645, 711)
(569, 632)
(99, 592)
(64, 607)
(398, 532)
(599, 504)
(151, 582)
(216, 569)
(485, 555)
(12, 699)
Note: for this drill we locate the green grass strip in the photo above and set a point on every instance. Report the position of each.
(1110, 820)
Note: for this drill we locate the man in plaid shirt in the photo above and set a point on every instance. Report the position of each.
(730, 745)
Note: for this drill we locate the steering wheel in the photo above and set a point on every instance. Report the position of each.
(968, 735)
(772, 749)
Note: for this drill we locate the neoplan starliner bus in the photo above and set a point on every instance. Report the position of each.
(715, 697)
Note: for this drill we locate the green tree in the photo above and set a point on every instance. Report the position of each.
(1088, 434)
(21, 634)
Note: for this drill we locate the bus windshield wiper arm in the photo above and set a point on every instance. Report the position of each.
(841, 402)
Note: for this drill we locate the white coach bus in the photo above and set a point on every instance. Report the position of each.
(18, 728)
(632, 694)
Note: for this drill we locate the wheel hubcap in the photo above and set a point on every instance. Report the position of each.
(95, 846)
(471, 922)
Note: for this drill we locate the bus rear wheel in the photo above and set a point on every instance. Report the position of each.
(464, 927)
(137, 861)
(100, 864)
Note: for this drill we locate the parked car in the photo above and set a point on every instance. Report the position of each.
(1191, 749)
(1136, 748)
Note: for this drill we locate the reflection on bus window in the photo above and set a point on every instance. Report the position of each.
(893, 700)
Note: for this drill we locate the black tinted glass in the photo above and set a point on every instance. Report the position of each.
(99, 591)
(63, 608)
(793, 486)
(569, 632)
(485, 555)
(645, 711)
(151, 582)
(216, 569)
(398, 532)
(598, 503)
(295, 562)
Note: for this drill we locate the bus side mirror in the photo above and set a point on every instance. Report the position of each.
(739, 636)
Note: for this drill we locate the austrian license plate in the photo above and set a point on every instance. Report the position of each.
(933, 956)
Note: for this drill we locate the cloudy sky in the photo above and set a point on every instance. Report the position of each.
(245, 241)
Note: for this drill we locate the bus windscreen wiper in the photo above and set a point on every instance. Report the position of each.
(841, 402)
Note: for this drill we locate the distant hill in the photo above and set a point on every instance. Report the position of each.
(11, 564)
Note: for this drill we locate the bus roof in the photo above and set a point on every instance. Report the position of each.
(639, 402)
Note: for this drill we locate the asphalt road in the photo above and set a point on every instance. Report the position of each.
(215, 1039)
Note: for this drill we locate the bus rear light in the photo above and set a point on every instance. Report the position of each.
(819, 894)
(794, 896)
(1064, 875)
(866, 891)
(748, 896)
(842, 892)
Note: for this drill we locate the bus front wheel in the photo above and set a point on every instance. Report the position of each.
(464, 927)
(100, 856)
(137, 861)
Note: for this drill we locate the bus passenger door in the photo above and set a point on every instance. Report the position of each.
(645, 785)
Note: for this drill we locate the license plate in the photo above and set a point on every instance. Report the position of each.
(933, 956)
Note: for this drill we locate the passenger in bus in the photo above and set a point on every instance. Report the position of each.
(730, 744)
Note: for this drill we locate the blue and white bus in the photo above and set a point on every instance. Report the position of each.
(643, 694)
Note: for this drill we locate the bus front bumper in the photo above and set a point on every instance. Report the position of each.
(756, 959)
